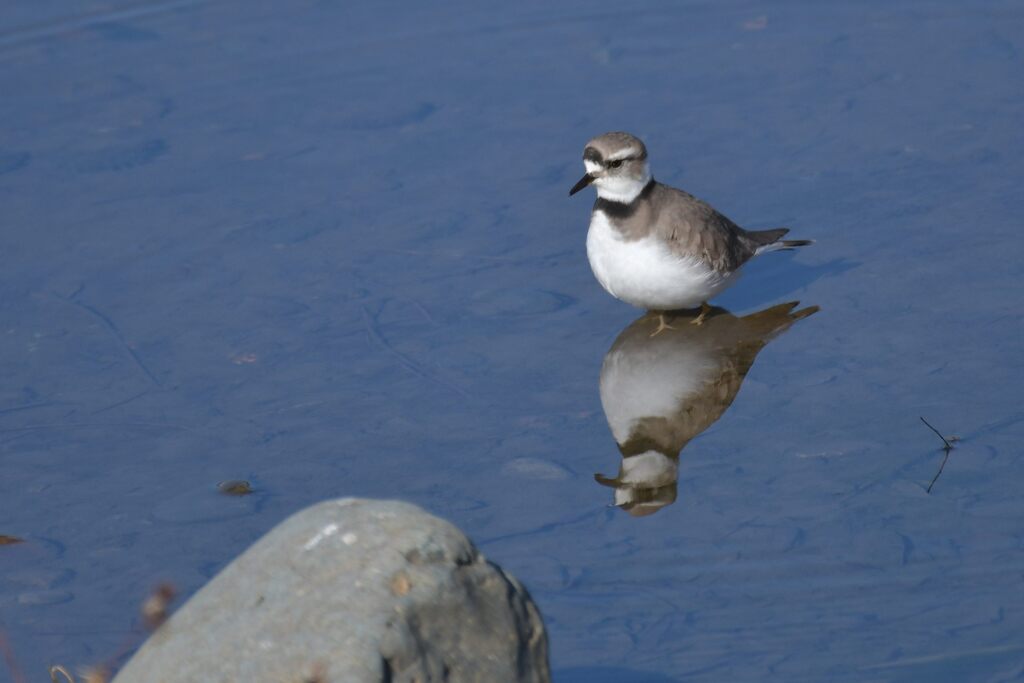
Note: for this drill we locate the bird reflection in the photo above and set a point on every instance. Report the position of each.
(659, 392)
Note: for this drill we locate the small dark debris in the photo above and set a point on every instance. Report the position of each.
(235, 487)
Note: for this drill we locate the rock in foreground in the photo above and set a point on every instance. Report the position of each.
(347, 591)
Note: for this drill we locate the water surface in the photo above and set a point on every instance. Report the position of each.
(326, 248)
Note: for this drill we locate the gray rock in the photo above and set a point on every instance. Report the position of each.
(349, 591)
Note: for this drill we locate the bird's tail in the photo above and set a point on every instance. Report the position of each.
(772, 321)
(771, 240)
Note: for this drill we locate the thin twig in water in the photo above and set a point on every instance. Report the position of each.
(941, 467)
(948, 444)
(948, 447)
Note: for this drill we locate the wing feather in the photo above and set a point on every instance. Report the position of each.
(693, 228)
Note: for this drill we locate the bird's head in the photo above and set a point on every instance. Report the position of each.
(616, 164)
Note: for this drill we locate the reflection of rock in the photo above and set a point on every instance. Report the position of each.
(353, 590)
(659, 392)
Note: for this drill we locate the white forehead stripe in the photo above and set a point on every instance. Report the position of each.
(624, 154)
(592, 166)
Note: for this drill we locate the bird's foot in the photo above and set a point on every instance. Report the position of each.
(704, 310)
(662, 325)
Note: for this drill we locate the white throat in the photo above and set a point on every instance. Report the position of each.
(650, 468)
(622, 189)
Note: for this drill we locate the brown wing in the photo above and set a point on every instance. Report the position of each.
(693, 228)
(736, 341)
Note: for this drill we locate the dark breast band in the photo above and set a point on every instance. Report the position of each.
(620, 210)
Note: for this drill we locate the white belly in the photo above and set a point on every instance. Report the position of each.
(646, 274)
(649, 378)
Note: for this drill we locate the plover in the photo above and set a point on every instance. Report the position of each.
(660, 393)
(657, 247)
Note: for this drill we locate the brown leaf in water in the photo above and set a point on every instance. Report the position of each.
(235, 487)
(154, 609)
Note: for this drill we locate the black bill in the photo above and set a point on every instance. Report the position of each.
(584, 181)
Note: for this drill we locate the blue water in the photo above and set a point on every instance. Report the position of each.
(326, 247)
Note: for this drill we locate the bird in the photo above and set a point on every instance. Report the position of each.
(658, 394)
(655, 246)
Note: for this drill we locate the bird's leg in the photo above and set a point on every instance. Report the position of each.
(662, 325)
(704, 310)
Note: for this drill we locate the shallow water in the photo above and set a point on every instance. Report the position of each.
(327, 249)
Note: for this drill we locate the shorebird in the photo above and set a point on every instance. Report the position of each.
(655, 246)
(659, 393)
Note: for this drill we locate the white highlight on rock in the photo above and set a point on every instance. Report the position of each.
(326, 532)
(349, 538)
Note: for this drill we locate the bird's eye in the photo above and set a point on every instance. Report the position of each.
(615, 164)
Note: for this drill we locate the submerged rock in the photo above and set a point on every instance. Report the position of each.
(352, 590)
